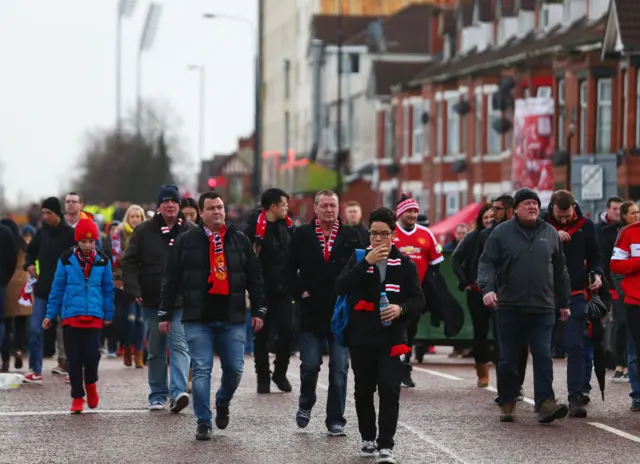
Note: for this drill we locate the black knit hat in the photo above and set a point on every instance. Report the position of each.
(53, 204)
(168, 193)
(525, 194)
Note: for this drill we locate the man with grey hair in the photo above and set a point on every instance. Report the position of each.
(318, 253)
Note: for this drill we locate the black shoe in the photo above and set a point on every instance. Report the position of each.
(179, 403)
(577, 407)
(264, 386)
(222, 417)
(407, 381)
(282, 383)
(303, 417)
(203, 432)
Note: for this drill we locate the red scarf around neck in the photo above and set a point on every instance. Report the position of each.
(86, 261)
(571, 227)
(261, 225)
(218, 274)
(327, 245)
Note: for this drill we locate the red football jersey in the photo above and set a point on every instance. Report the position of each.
(420, 245)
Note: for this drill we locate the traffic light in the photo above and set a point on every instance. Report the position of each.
(212, 182)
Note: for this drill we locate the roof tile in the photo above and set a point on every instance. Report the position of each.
(326, 27)
(390, 73)
(628, 12)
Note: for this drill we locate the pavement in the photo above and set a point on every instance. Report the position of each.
(445, 419)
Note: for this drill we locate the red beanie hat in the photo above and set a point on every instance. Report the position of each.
(86, 229)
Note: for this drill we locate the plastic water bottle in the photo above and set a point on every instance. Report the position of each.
(384, 302)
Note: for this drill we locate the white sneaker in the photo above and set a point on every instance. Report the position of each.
(368, 449)
(156, 406)
(385, 456)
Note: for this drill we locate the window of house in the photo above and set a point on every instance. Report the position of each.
(463, 133)
(493, 138)
(426, 132)
(453, 128)
(438, 207)
(388, 133)
(561, 115)
(583, 116)
(406, 124)
(439, 135)
(417, 129)
(603, 116)
(453, 203)
(464, 198)
(354, 63)
(637, 111)
(479, 124)
(625, 106)
(425, 201)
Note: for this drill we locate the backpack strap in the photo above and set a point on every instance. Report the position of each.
(359, 255)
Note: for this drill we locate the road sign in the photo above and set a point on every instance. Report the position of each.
(592, 180)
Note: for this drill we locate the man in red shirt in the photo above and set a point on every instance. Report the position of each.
(421, 246)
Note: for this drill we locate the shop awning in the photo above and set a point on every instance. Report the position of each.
(447, 226)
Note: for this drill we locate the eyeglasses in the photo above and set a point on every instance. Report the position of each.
(385, 234)
(497, 209)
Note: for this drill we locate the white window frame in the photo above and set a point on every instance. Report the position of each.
(453, 127)
(439, 134)
(583, 100)
(462, 148)
(388, 133)
(417, 129)
(604, 107)
(425, 201)
(426, 128)
(438, 207)
(493, 138)
(452, 203)
(562, 114)
(479, 128)
(405, 130)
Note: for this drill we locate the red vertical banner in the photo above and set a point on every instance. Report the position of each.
(533, 146)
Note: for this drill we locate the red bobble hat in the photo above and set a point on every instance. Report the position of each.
(86, 229)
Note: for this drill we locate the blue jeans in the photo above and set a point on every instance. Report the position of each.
(514, 329)
(134, 327)
(574, 342)
(228, 339)
(632, 366)
(588, 365)
(3, 305)
(157, 357)
(312, 345)
(36, 335)
(248, 347)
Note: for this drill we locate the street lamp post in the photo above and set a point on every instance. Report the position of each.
(146, 42)
(125, 10)
(202, 108)
(257, 149)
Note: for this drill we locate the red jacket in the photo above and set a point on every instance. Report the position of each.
(625, 260)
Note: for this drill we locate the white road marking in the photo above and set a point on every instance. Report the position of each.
(620, 433)
(495, 390)
(439, 374)
(68, 413)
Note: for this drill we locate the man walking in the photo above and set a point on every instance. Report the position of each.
(142, 267)
(212, 266)
(52, 239)
(318, 253)
(271, 234)
(582, 254)
(522, 274)
(353, 211)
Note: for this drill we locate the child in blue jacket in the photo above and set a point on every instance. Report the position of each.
(82, 296)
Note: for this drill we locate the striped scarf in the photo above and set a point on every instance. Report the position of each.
(170, 233)
(86, 261)
(218, 274)
(327, 245)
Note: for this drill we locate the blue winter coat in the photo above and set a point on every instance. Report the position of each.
(72, 295)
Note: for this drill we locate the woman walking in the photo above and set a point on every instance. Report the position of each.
(465, 267)
(133, 327)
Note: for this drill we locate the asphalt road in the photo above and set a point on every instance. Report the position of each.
(445, 419)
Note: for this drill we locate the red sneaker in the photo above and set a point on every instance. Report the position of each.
(92, 395)
(33, 377)
(77, 405)
(120, 351)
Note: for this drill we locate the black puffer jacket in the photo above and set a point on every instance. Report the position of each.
(145, 257)
(46, 247)
(272, 252)
(464, 259)
(402, 287)
(187, 272)
(8, 255)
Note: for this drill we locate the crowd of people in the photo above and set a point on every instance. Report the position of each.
(186, 284)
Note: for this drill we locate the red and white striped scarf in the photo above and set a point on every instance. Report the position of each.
(86, 261)
(327, 245)
(218, 273)
(166, 230)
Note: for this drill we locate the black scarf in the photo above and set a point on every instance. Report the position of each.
(169, 234)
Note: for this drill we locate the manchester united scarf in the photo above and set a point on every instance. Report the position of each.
(327, 244)
(218, 275)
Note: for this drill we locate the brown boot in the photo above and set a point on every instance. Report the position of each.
(550, 411)
(126, 357)
(138, 359)
(508, 412)
(482, 371)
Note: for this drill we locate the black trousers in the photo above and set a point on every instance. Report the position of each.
(279, 323)
(620, 333)
(15, 335)
(481, 320)
(633, 322)
(522, 358)
(374, 368)
(82, 347)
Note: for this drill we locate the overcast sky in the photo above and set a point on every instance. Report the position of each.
(57, 80)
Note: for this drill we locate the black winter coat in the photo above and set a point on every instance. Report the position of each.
(306, 270)
(144, 260)
(464, 259)
(8, 255)
(46, 247)
(188, 269)
(609, 234)
(402, 287)
(272, 253)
